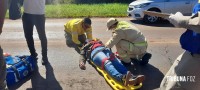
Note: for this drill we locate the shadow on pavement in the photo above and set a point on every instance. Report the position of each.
(162, 23)
(51, 81)
(40, 83)
(153, 76)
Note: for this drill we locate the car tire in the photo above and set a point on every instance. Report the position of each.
(151, 19)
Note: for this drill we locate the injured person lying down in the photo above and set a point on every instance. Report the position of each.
(102, 57)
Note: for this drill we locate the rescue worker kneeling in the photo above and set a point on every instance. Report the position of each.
(77, 32)
(102, 57)
(130, 42)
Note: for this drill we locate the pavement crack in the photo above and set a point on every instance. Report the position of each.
(166, 54)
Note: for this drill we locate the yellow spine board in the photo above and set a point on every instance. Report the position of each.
(115, 84)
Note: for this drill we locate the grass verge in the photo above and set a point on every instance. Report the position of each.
(85, 10)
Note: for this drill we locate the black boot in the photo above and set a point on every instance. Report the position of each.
(145, 59)
(126, 64)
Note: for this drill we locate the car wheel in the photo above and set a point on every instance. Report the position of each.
(151, 19)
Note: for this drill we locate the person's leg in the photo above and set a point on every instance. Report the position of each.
(125, 77)
(70, 43)
(28, 32)
(82, 38)
(122, 49)
(108, 66)
(116, 62)
(68, 38)
(39, 22)
(142, 55)
(2, 71)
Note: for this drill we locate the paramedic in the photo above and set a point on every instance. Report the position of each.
(129, 41)
(76, 31)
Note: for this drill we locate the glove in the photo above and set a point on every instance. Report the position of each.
(175, 18)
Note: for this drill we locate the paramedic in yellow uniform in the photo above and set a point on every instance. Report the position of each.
(77, 32)
(129, 41)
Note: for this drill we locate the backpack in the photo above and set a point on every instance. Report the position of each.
(18, 68)
(190, 40)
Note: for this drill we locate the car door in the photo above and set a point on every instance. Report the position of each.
(183, 6)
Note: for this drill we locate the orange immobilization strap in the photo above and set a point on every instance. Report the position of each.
(103, 62)
(112, 57)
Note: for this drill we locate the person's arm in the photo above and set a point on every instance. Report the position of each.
(188, 22)
(82, 62)
(75, 36)
(3, 9)
(89, 34)
(178, 20)
(117, 36)
(82, 58)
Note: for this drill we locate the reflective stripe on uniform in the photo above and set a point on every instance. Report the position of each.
(131, 45)
(140, 44)
(75, 33)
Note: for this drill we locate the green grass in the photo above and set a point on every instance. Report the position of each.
(85, 10)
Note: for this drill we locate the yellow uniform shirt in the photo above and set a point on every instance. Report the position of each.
(74, 27)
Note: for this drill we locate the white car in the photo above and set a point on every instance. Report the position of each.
(137, 7)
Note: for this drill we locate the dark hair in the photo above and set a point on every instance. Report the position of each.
(87, 21)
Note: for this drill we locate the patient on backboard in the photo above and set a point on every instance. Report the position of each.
(103, 58)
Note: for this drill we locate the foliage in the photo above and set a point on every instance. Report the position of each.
(87, 1)
(86, 10)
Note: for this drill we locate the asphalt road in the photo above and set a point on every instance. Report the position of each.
(63, 72)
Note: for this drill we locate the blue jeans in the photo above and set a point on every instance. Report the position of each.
(114, 67)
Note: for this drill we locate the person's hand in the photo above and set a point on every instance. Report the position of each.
(82, 66)
(175, 18)
(88, 40)
(80, 46)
